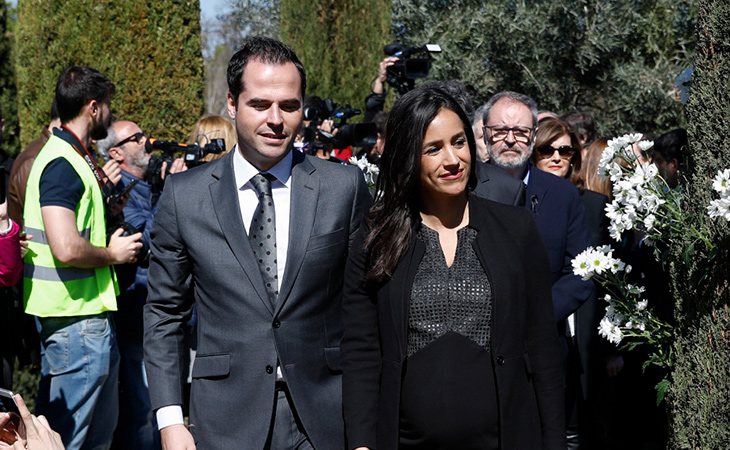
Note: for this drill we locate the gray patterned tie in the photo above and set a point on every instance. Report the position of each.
(262, 234)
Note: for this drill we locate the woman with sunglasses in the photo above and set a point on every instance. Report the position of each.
(557, 151)
(448, 339)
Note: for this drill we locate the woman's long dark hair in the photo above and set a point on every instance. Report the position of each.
(396, 209)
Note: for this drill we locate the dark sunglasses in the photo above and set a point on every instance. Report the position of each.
(136, 137)
(566, 151)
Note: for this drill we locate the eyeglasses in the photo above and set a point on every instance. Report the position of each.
(498, 133)
(137, 138)
(565, 151)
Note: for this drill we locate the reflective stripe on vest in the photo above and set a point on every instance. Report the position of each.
(56, 273)
(39, 236)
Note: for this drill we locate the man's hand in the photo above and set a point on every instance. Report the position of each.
(178, 165)
(614, 365)
(124, 249)
(378, 87)
(113, 171)
(177, 437)
(24, 238)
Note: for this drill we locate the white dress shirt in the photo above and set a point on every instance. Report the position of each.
(248, 202)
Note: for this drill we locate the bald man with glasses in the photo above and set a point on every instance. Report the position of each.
(126, 144)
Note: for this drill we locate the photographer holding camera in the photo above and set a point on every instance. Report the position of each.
(69, 284)
(126, 144)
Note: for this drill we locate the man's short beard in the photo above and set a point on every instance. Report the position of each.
(512, 163)
(98, 132)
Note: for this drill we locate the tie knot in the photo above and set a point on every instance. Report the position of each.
(262, 183)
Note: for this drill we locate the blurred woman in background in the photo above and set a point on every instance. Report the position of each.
(213, 127)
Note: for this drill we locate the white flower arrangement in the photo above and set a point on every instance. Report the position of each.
(629, 318)
(369, 170)
(642, 199)
(644, 202)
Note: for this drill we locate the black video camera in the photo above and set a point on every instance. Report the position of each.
(413, 63)
(192, 154)
(316, 110)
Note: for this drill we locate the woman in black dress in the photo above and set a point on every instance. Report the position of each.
(449, 339)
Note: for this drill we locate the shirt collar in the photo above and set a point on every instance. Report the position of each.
(244, 170)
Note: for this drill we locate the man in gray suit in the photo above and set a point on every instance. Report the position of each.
(257, 240)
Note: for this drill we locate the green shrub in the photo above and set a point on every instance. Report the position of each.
(150, 50)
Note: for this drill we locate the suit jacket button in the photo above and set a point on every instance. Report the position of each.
(500, 360)
(269, 369)
(276, 324)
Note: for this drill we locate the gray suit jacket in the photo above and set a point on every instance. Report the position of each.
(201, 255)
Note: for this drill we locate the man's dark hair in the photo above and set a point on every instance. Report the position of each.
(78, 85)
(54, 110)
(672, 145)
(380, 119)
(265, 50)
(583, 125)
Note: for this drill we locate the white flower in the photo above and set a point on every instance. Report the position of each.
(641, 325)
(641, 305)
(606, 159)
(645, 145)
(617, 265)
(615, 172)
(649, 222)
(610, 331)
(581, 265)
(721, 183)
(615, 231)
(720, 208)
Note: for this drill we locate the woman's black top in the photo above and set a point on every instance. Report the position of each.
(448, 395)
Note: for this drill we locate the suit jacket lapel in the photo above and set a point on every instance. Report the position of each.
(224, 198)
(303, 209)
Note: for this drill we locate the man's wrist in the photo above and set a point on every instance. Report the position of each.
(168, 416)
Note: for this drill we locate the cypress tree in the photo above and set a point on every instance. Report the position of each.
(150, 50)
(8, 93)
(700, 392)
(339, 42)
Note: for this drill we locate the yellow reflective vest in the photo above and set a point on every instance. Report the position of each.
(51, 288)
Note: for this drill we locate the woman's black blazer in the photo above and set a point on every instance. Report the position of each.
(524, 342)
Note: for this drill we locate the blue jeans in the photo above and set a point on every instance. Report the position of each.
(137, 424)
(78, 388)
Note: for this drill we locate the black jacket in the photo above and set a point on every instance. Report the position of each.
(524, 342)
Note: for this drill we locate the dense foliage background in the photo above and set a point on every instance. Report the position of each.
(617, 59)
(8, 94)
(150, 50)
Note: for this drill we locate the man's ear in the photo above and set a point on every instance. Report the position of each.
(116, 154)
(231, 105)
(93, 106)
